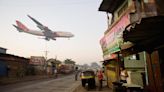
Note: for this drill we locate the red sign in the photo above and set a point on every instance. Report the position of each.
(37, 60)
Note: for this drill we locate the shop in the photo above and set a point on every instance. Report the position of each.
(147, 36)
(137, 40)
(111, 43)
(12, 66)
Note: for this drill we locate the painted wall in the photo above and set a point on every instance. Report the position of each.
(110, 72)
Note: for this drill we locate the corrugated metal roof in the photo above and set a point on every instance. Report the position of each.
(10, 55)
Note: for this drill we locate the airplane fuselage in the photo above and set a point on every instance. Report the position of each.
(44, 31)
(35, 32)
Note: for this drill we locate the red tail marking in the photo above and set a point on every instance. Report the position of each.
(23, 27)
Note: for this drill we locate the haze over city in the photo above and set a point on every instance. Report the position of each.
(80, 17)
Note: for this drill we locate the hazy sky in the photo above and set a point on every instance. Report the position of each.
(81, 17)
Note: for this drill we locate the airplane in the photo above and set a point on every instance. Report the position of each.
(44, 30)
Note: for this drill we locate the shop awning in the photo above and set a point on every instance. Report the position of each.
(126, 45)
(110, 56)
(148, 34)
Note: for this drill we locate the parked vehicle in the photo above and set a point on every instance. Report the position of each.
(66, 68)
(88, 77)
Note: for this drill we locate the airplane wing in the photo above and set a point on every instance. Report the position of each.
(39, 25)
(19, 29)
(37, 22)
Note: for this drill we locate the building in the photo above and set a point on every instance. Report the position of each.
(13, 66)
(2, 50)
(39, 63)
(135, 35)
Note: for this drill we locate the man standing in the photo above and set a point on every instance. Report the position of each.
(100, 78)
(76, 73)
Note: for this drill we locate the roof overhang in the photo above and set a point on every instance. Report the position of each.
(148, 35)
(126, 45)
(110, 5)
(106, 62)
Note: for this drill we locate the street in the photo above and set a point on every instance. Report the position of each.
(64, 84)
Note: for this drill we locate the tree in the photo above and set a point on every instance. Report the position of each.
(95, 65)
(69, 61)
(55, 61)
(85, 66)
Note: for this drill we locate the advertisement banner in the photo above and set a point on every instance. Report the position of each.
(113, 39)
(37, 60)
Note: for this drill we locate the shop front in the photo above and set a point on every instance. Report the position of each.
(111, 71)
(147, 36)
(143, 34)
(110, 44)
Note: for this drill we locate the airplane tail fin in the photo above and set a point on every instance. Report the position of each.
(21, 26)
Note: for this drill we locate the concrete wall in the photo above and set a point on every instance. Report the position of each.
(135, 78)
(135, 66)
(131, 62)
(2, 50)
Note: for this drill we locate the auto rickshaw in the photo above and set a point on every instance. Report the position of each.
(88, 77)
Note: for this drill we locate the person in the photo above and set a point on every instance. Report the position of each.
(55, 73)
(83, 80)
(8, 69)
(100, 78)
(123, 74)
(53, 68)
(76, 73)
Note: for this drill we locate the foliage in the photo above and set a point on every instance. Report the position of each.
(55, 61)
(69, 61)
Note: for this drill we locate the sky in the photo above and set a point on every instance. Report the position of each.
(80, 17)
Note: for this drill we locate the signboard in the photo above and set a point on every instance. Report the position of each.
(37, 60)
(113, 39)
(110, 56)
(103, 43)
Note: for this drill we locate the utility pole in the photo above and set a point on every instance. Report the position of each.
(46, 63)
(46, 53)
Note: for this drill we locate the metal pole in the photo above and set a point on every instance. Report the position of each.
(46, 53)
(146, 71)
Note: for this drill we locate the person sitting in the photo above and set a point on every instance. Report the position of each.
(123, 75)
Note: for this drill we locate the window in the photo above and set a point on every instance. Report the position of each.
(134, 57)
